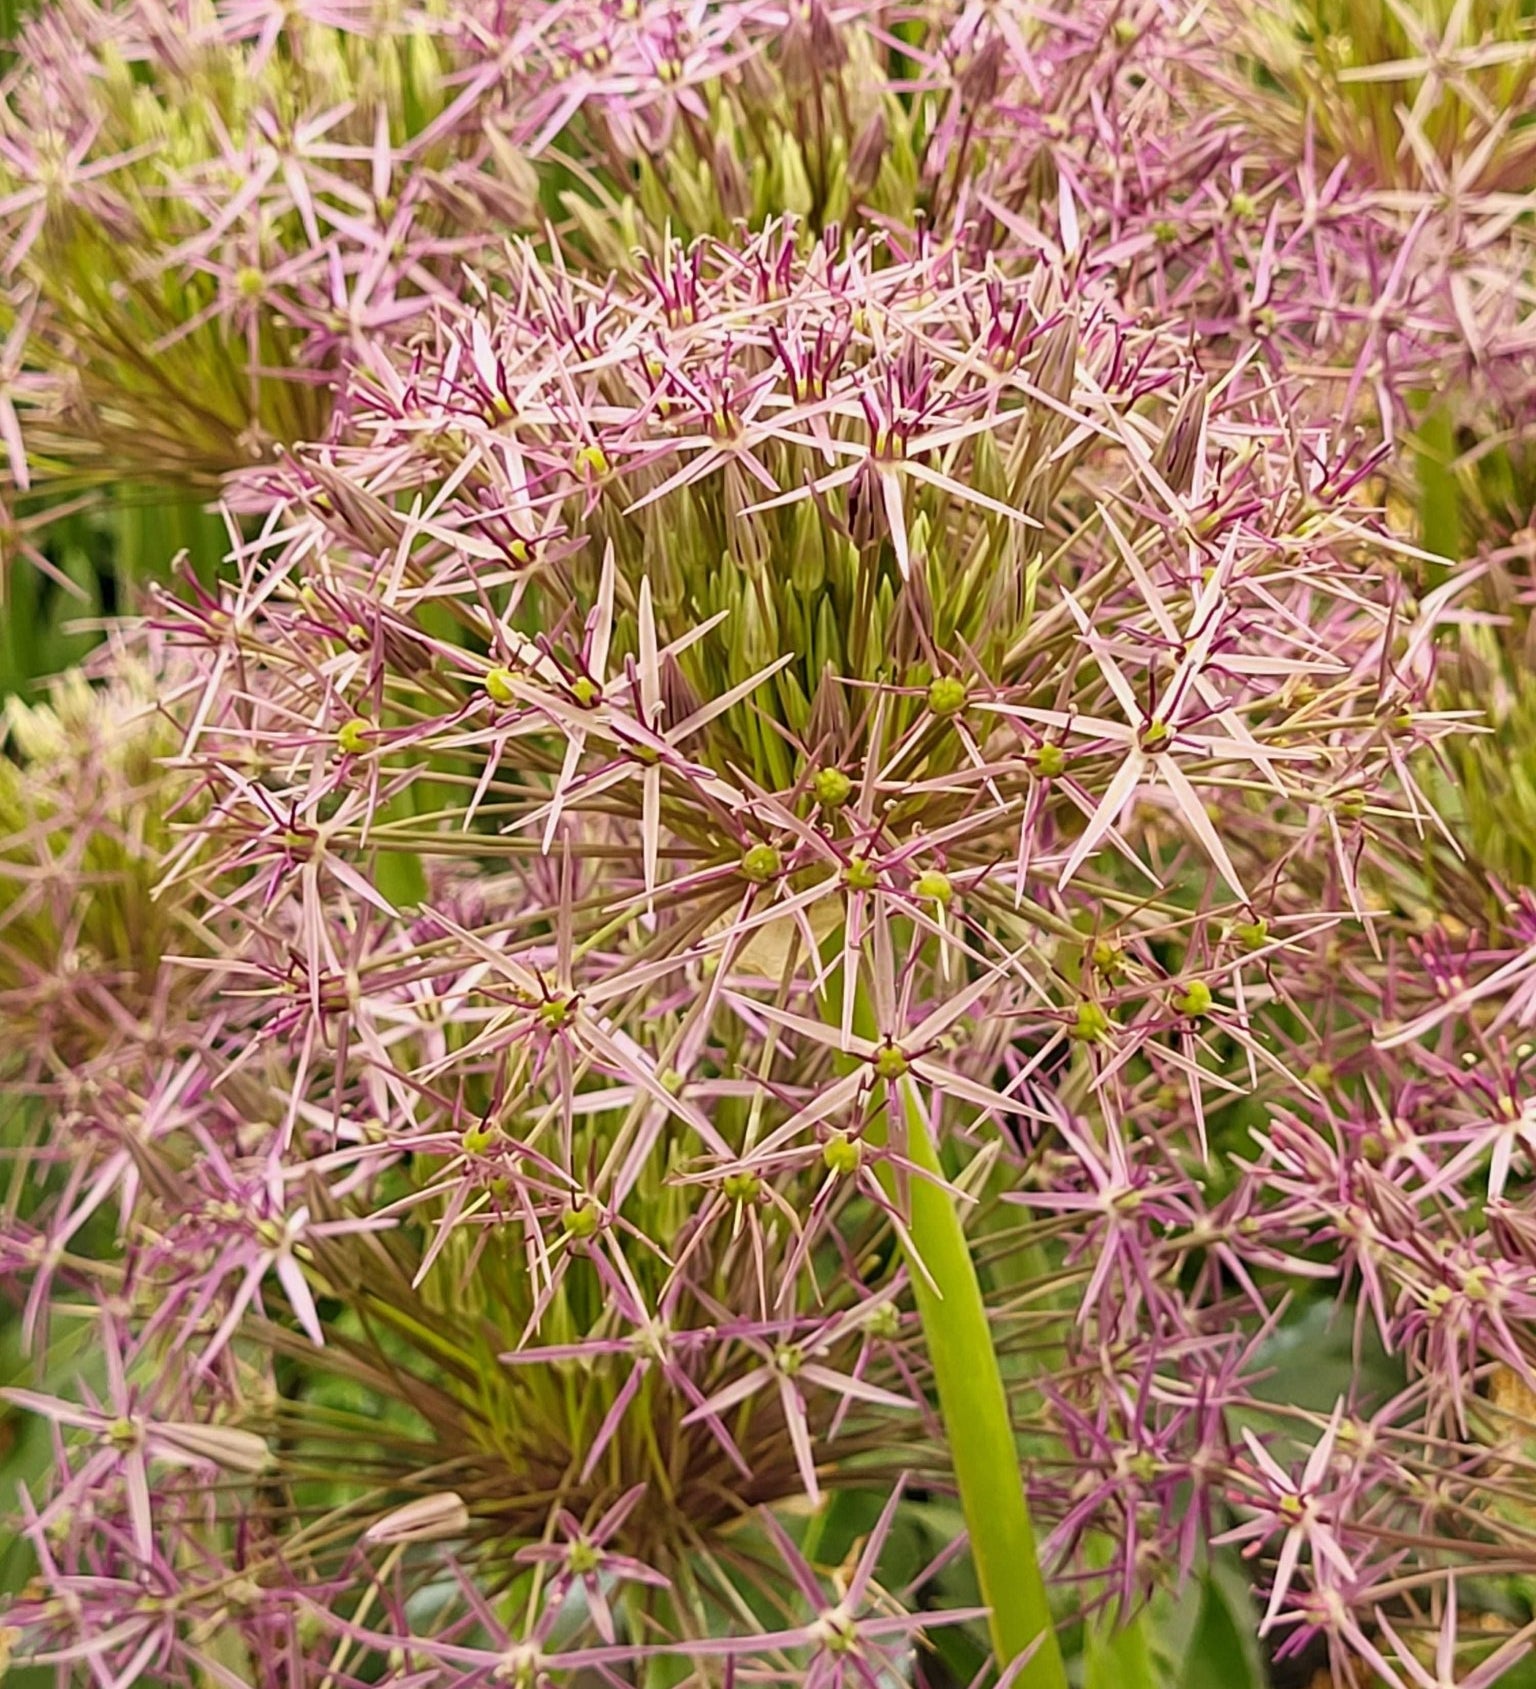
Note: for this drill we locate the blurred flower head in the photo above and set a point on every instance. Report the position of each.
(204, 207)
(87, 810)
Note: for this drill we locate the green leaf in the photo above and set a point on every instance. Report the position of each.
(1219, 1657)
(1119, 1656)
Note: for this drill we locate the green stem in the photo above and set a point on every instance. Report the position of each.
(1439, 495)
(972, 1400)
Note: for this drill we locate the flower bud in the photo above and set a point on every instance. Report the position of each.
(983, 75)
(867, 155)
(827, 46)
(429, 1519)
(219, 1445)
(730, 185)
(1179, 449)
(1053, 364)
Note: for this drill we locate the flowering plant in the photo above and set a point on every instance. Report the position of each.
(790, 872)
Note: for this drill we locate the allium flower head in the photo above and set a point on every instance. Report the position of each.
(700, 779)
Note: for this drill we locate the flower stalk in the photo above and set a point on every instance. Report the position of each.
(972, 1400)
